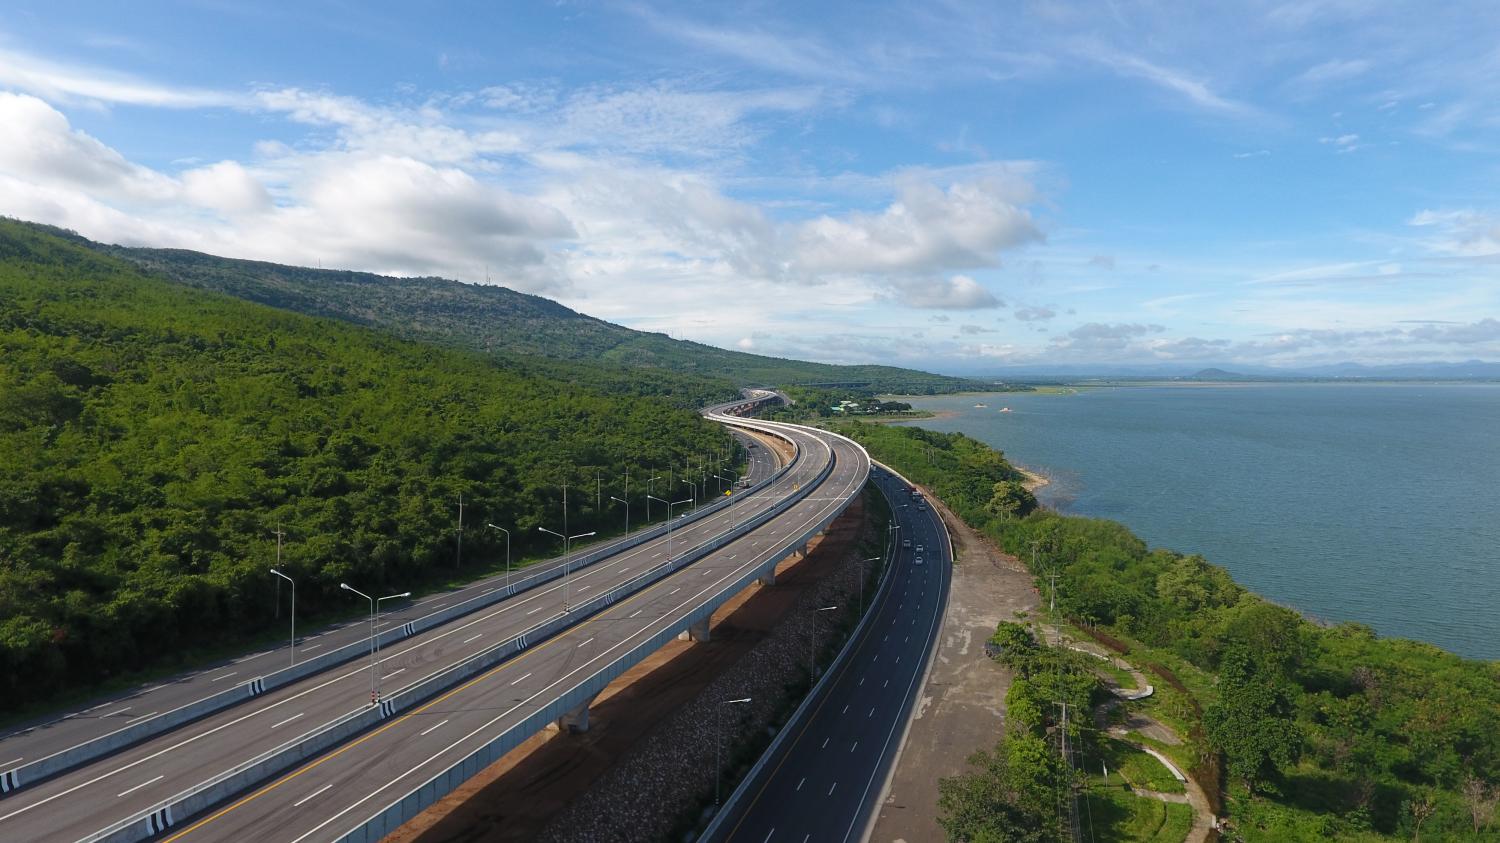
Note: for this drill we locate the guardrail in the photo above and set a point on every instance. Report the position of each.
(61, 761)
(416, 800)
(146, 824)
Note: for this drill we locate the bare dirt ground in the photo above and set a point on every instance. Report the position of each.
(533, 790)
(962, 705)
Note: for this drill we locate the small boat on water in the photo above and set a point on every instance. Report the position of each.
(1004, 409)
(981, 406)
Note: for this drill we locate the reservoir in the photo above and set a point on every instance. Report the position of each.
(1377, 503)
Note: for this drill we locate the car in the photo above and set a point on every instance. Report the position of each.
(906, 542)
(919, 560)
(919, 548)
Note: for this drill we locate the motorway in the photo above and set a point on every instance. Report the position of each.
(103, 716)
(339, 791)
(824, 781)
(81, 802)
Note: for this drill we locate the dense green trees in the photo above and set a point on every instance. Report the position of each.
(1326, 732)
(152, 437)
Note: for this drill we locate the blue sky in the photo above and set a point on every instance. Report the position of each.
(959, 186)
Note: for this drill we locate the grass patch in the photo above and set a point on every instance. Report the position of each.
(1140, 769)
(1114, 813)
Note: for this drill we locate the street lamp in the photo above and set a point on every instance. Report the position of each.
(627, 510)
(507, 550)
(862, 564)
(669, 504)
(719, 742)
(294, 612)
(374, 641)
(812, 630)
(649, 490)
(567, 548)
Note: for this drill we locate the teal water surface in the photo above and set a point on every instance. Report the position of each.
(1378, 503)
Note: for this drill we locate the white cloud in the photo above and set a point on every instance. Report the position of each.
(1035, 314)
(1464, 233)
(1186, 87)
(60, 83)
(38, 143)
(957, 293)
(227, 187)
(1330, 72)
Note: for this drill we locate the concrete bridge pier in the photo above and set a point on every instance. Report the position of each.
(577, 720)
(698, 631)
(768, 578)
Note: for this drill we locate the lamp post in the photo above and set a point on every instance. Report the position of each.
(862, 564)
(374, 641)
(567, 549)
(649, 489)
(671, 504)
(719, 742)
(627, 510)
(294, 611)
(507, 550)
(812, 635)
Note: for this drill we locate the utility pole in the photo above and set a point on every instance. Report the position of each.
(598, 491)
(279, 536)
(458, 556)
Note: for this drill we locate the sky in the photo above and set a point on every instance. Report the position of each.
(963, 187)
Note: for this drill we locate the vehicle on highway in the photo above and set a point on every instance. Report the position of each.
(919, 548)
(919, 560)
(906, 542)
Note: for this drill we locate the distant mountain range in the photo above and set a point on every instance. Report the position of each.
(492, 318)
(1436, 370)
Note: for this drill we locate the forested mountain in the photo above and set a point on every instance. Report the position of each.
(496, 319)
(152, 437)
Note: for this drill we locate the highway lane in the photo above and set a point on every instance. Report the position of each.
(91, 797)
(338, 791)
(825, 780)
(51, 736)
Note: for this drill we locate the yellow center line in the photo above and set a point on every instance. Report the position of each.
(414, 712)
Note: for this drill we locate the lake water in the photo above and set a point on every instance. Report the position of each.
(1373, 503)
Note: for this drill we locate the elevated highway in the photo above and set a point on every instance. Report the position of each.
(462, 693)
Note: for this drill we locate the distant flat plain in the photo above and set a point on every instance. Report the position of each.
(1377, 503)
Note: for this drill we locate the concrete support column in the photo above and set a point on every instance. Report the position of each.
(697, 632)
(577, 720)
(769, 577)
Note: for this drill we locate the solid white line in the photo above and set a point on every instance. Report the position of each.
(769, 833)
(142, 716)
(518, 681)
(13, 761)
(310, 649)
(473, 638)
(121, 711)
(139, 786)
(431, 728)
(288, 720)
(585, 643)
(298, 803)
(225, 676)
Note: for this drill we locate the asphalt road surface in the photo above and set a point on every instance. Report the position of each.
(825, 780)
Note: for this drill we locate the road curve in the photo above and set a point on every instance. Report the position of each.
(130, 784)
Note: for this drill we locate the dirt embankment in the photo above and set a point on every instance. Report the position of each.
(648, 755)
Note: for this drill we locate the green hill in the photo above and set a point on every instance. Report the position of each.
(495, 319)
(152, 437)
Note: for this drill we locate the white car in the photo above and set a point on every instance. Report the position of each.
(906, 542)
(919, 560)
(919, 548)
